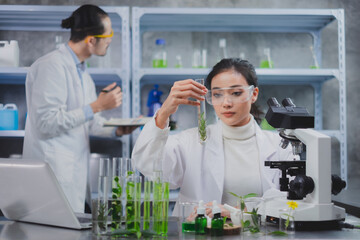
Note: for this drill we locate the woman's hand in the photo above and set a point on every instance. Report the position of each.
(180, 93)
(208, 212)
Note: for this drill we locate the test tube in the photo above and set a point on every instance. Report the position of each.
(101, 206)
(117, 192)
(147, 200)
(161, 204)
(202, 125)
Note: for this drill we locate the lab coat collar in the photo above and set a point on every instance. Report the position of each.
(74, 72)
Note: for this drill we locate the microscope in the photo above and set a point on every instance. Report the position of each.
(311, 183)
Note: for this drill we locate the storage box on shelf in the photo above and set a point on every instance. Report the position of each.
(310, 21)
(48, 18)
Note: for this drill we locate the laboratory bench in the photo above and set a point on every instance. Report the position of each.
(10, 230)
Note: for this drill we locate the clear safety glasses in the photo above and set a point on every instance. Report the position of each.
(233, 94)
(100, 36)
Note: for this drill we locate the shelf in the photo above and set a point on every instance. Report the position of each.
(265, 76)
(12, 133)
(47, 18)
(101, 76)
(245, 20)
(233, 20)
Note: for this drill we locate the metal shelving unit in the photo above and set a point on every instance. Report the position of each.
(310, 21)
(48, 18)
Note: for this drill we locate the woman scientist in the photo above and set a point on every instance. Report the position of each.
(63, 106)
(232, 159)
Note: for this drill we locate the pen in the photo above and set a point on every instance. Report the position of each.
(106, 91)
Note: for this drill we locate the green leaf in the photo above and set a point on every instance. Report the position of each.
(246, 223)
(250, 195)
(242, 205)
(235, 195)
(278, 233)
(116, 179)
(225, 219)
(202, 127)
(254, 230)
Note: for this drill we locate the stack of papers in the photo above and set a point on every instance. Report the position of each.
(116, 122)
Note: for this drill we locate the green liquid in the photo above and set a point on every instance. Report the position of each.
(159, 63)
(266, 64)
(132, 207)
(147, 195)
(217, 226)
(200, 224)
(161, 206)
(165, 208)
(188, 226)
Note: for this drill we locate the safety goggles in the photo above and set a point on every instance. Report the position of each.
(100, 36)
(234, 94)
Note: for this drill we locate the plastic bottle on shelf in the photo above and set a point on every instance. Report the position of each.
(222, 49)
(58, 41)
(153, 102)
(242, 55)
(160, 59)
(203, 58)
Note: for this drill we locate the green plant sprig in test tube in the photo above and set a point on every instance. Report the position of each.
(202, 125)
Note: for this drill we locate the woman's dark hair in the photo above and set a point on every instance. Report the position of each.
(245, 68)
(84, 21)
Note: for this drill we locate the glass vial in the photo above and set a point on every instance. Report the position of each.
(217, 223)
(200, 220)
(202, 125)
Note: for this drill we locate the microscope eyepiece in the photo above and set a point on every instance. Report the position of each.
(273, 102)
(287, 102)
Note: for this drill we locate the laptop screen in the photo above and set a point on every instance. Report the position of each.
(31, 193)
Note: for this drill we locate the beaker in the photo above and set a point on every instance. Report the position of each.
(287, 220)
(202, 125)
(254, 214)
(187, 216)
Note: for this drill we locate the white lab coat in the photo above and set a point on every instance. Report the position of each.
(56, 130)
(199, 169)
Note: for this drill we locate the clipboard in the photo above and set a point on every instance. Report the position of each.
(117, 122)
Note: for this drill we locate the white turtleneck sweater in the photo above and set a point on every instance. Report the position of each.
(242, 168)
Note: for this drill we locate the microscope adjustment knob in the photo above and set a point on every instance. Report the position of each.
(337, 184)
(302, 185)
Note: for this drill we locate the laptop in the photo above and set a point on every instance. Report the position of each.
(30, 192)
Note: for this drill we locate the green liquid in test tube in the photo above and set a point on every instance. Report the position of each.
(147, 200)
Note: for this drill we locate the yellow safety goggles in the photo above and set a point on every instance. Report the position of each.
(100, 36)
